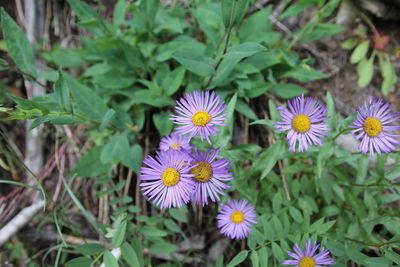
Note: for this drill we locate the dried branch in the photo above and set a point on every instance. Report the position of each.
(19, 221)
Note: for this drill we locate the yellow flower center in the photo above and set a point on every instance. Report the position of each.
(201, 118)
(203, 171)
(176, 146)
(170, 177)
(372, 126)
(307, 262)
(301, 123)
(237, 216)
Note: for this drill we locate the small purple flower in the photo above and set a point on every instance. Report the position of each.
(305, 122)
(236, 218)
(371, 127)
(199, 113)
(167, 181)
(308, 259)
(176, 142)
(209, 176)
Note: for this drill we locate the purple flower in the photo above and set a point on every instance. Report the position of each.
(176, 142)
(305, 122)
(372, 129)
(199, 113)
(167, 181)
(308, 259)
(236, 218)
(209, 176)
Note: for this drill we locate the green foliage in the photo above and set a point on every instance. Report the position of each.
(365, 66)
(148, 56)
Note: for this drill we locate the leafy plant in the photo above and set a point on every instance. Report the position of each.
(133, 67)
(365, 51)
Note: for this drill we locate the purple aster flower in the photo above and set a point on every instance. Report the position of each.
(175, 141)
(167, 180)
(236, 218)
(308, 259)
(371, 127)
(305, 122)
(209, 176)
(199, 113)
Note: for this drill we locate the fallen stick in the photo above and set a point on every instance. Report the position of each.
(19, 221)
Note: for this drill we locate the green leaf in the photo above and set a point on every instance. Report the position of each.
(195, 61)
(152, 231)
(304, 74)
(173, 226)
(263, 60)
(90, 248)
(255, 261)
(64, 57)
(132, 54)
(174, 80)
(233, 11)
(119, 235)
(163, 123)
(61, 91)
(277, 201)
(209, 19)
(365, 70)
(152, 98)
(79, 262)
(243, 108)
(109, 259)
(388, 72)
(263, 256)
(336, 248)
(226, 132)
(90, 164)
(119, 13)
(163, 248)
(244, 50)
(296, 214)
(26, 104)
(222, 75)
(116, 149)
(114, 79)
(238, 259)
(55, 119)
(106, 119)
(148, 12)
(258, 89)
(129, 255)
(359, 52)
(257, 27)
(88, 17)
(179, 215)
(322, 30)
(86, 102)
(277, 252)
(353, 252)
(350, 43)
(287, 90)
(134, 158)
(377, 262)
(18, 46)
(267, 160)
(295, 9)
(393, 256)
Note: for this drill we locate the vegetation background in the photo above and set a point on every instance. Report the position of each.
(87, 88)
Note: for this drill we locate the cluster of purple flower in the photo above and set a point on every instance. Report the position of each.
(305, 121)
(180, 172)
